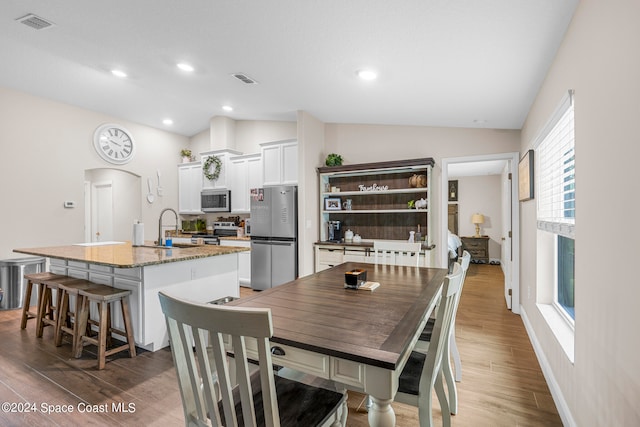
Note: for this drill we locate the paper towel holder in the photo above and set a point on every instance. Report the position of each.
(138, 234)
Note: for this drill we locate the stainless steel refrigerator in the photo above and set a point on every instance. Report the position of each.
(274, 236)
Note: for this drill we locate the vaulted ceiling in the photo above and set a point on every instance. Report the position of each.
(452, 63)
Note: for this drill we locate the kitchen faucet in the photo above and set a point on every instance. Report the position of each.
(160, 224)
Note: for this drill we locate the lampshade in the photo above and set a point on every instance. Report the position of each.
(477, 218)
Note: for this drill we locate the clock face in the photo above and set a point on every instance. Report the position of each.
(114, 144)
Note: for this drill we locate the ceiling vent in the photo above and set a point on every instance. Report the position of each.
(244, 78)
(35, 22)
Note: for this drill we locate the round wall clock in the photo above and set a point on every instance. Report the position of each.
(114, 144)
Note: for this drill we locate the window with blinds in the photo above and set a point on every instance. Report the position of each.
(557, 202)
(556, 174)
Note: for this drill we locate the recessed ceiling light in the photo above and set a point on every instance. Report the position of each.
(227, 108)
(185, 67)
(119, 73)
(367, 74)
(167, 122)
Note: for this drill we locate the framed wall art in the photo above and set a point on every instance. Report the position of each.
(332, 204)
(453, 191)
(526, 177)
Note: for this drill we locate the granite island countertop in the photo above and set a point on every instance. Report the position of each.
(124, 255)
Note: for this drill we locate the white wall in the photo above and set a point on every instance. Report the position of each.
(598, 59)
(481, 194)
(45, 150)
(310, 155)
(241, 135)
(250, 133)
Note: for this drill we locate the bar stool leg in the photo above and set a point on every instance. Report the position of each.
(26, 315)
(63, 308)
(82, 320)
(103, 330)
(43, 307)
(128, 328)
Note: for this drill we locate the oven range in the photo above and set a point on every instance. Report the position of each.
(220, 228)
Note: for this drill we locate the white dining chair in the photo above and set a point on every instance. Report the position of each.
(209, 396)
(397, 253)
(452, 348)
(423, 372)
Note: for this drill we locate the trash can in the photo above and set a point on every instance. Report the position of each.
(12, 282)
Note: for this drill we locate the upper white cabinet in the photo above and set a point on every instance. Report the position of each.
(223, 180)
(245, 173)
(189, 187)
(280, 162)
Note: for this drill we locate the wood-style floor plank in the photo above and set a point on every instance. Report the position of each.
(502, 384)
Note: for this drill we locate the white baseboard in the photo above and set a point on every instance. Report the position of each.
(556, 392)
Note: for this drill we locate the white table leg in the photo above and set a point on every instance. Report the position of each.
(381, 413)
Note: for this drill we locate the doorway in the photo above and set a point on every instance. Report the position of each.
(102, 211)
(509, 239)
(113, 202)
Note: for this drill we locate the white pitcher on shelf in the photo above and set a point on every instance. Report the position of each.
(412, 235)
(348, 236)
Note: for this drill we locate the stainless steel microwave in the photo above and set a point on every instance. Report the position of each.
(215, 201)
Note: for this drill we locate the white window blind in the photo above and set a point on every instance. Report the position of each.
(556, 173)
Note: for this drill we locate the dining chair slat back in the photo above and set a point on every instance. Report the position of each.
(423, 372)
(213, 393)
(397, 253)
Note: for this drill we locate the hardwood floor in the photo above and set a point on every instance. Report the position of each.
(502, 384)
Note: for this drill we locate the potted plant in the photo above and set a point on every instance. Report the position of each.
(186, 155)
(333, 159)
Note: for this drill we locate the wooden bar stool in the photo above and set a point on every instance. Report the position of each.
(103, 296)
(65, 314)
(47, 307)
(37, 280)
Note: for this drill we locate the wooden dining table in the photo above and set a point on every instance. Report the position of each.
(357, 338)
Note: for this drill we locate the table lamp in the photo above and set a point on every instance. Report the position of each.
(477, 219)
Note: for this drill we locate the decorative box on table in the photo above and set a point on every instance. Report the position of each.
(355, 278)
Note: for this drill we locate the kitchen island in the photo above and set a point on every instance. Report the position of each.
(199, 273)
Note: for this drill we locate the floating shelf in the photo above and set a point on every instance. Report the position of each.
(365, 193)
(375, 211)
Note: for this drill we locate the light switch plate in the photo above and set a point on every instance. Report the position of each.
(68, 204)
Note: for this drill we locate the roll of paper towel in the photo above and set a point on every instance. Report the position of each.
(138, 234)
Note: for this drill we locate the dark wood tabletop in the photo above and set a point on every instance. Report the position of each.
(318, 314)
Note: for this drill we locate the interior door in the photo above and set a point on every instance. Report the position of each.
(102, 211)
(507, 226)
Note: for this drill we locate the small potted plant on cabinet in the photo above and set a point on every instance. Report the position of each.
(186, 155)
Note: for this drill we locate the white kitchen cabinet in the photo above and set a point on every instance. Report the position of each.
(280, 162)
(254, 175)
(328, 256)
(135, 306)
(189, 187)
(244, 260)
(245, 173)
(223, 180)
